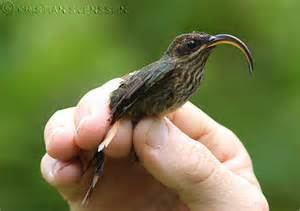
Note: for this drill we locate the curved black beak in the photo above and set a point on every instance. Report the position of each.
(232, 40)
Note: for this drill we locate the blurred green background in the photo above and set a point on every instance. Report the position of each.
(48, 60)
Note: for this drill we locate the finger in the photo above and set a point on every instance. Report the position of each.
(241, 165)
(171, 156)
(65, 176)
(222, 142)
(121, 144)
(187, 166)
(92, 115)
(199, 126)
(192, 121)
(59, 135)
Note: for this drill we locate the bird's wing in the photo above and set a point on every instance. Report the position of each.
(136, 85)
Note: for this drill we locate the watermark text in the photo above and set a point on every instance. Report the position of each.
(11, 8)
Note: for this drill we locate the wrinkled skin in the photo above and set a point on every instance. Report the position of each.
(187, 160)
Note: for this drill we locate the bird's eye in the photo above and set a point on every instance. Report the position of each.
(191, 44)
(187, 47)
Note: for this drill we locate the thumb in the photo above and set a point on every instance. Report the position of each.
(184, 165)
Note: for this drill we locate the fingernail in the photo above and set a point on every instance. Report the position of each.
(157, 133)
(48, 165)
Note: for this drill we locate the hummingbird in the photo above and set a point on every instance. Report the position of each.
(162, 86)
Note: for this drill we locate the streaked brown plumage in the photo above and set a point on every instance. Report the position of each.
(163, 86)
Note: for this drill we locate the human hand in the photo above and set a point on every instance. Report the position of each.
(187, 161)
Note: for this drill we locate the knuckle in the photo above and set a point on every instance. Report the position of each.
(246, 161)
(197, 163)
(55, 121)
(50, 125)
(228, 133)
(62, 114)
(264, 205)
(261, 204)
(57, 114)
(87, 96)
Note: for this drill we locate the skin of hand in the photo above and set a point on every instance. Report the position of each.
(187, 161)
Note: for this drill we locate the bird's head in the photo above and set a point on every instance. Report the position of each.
(198, 45)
